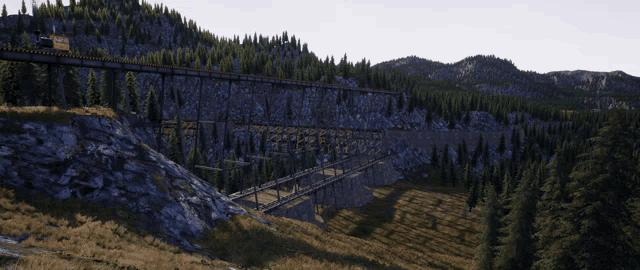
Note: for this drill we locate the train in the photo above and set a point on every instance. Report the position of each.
(53, 42)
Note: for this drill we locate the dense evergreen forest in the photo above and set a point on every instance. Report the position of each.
(567, 198)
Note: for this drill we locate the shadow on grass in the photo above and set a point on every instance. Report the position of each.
(248, 244)
(381, 212)
(69, 209)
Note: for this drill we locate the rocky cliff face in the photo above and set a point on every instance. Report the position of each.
(105, 162)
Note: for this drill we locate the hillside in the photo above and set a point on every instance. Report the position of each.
(577, 89)
(351, 242)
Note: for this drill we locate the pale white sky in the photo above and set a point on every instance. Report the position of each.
(538, 35)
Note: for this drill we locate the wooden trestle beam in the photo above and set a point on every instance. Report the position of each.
(22, 55)
(115, 67)
(226, 123)
(182, 146)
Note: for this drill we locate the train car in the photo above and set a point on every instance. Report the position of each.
(54, 42)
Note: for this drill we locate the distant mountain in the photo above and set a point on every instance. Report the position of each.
(577, 89)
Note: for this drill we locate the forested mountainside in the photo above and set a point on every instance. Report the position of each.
(139, 31)
(128, 29)
(577, 89)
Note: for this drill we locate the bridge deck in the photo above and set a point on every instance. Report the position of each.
(268, 195)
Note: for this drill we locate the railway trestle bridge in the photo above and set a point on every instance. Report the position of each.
(354, 150)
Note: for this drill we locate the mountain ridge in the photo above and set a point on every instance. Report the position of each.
(489, 73)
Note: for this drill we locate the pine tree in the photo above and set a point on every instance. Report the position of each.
(443, 174)
(477, 152)
(550, 219)
(151, 108)
(9, 87)
(507, 187)
(106, 78)
(19, 23)
(485, 253)
(452, 176)
(502, 145)
(227, 64)
(175, 152)
(465, 152)
(4, 11)
(134, 97)
(517, 247)
(434, 156)
(472, 200)
(238, 148)
(72, 91)
(263, 142)
(445, 154)
(24, 41)
(496, 179)
(601, 186)
(460, 155)
(485, 154)
(483, 182)
(467, 176)
(94, 94)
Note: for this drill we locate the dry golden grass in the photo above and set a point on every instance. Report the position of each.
(50, 114)
(428, 226)
(87, 236)
(407, 226)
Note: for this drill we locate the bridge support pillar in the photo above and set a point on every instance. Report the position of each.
(179, 123)
(49, 74)
(64, 101)
(114, 105)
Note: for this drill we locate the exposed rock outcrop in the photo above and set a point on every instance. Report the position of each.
(103, 161)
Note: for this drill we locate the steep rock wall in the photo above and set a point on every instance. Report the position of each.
(102, 161)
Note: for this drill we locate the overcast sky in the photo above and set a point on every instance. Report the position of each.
(538, 35)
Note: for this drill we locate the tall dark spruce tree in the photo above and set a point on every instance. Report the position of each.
(485, 253)
(550, 222)
(93, 93)
(517, 249)
(603, 182)
(132, 90)
(9, 86)
(175, 152)
(75, 96)
(472, 200)
(151, 106)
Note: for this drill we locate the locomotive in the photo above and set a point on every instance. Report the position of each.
(53, 42)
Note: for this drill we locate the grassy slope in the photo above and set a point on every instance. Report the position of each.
(407, 226)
